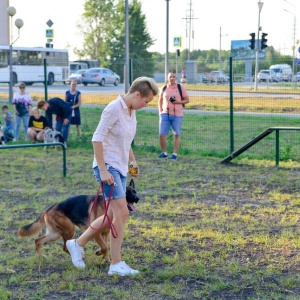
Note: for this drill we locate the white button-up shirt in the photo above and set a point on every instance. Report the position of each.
(116, 131)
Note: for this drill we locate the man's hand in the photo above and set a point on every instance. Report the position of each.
(66, 122)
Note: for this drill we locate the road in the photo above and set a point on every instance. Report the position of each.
(116, 90)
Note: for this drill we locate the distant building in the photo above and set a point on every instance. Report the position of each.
(4, 22)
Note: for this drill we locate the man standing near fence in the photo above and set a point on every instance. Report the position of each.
(171, 100)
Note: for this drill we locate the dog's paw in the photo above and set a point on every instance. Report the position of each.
(105, 256)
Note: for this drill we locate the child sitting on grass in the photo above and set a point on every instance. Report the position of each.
(9, 132)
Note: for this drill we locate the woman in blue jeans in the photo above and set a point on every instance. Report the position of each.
(21, 103)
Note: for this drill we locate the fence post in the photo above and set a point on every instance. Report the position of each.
(231, 105)
(45, 79)
(277, 148)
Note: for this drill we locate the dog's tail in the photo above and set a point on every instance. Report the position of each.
(33, 228)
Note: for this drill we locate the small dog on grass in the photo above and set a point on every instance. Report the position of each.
(60, 220)
(52, 136)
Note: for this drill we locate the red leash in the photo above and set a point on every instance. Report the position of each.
(106, 206)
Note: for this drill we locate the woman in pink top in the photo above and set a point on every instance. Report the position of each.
(112, 153)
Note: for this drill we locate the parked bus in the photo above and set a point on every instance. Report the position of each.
(28, 64)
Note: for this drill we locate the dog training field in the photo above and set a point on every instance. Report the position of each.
(203, 230)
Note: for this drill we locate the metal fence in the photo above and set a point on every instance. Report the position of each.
(207, 122)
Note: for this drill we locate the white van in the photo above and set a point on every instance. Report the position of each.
(283, 72)
(75, 66)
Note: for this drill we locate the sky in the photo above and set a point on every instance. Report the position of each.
(236, 18)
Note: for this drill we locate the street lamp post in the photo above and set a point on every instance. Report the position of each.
(220, 61)
(260, 5)
(167, 41)
(11, 11)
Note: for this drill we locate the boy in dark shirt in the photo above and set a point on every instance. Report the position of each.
(9, 131)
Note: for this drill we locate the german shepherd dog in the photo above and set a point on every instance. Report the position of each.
(60, 220)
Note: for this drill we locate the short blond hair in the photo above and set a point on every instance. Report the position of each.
(33, 110)
(144, 85)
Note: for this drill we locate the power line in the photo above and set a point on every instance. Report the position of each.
(189, 18)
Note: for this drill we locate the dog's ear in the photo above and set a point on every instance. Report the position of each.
(131, 183)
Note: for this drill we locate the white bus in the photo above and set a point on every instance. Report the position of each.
(28, 64)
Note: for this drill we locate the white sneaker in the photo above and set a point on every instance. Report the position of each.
(122, 269)
(77, 254)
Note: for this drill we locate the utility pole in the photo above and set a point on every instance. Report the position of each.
(189, 19)
(126, 73)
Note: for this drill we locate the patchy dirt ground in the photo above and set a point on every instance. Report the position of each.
(203, 230)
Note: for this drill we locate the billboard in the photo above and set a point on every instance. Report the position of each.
(240, 50)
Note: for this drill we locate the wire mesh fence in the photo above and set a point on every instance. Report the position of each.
(271, 99)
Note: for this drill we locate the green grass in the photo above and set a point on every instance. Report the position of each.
(203, 230)
(204, 134)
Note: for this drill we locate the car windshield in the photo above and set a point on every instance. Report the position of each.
(93, 71)
(276, 70)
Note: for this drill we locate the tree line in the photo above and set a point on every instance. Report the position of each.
(102, 27)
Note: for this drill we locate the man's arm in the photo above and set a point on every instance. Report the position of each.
(160, 101)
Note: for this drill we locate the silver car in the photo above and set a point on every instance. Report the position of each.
(100, 76)
(77, 76)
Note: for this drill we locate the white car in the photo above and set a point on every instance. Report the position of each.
(77, 76)
(297, 77)
(215, 76)
(266, 75)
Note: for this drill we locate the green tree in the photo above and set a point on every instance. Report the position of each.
(95, 26)
(139, 41)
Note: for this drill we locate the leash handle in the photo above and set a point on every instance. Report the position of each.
(106, 206)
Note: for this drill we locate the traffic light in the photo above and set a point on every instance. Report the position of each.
(178, 52)
(263, 41)
(252, 41)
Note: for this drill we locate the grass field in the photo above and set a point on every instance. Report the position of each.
(203, 230)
